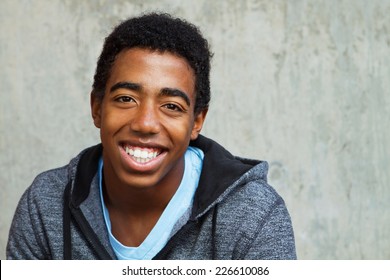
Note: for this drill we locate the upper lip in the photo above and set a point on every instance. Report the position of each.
(149, 145)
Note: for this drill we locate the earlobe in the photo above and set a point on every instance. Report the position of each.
(96, 110)
(198, 124)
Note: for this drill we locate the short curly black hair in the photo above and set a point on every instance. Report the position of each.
(161, 32)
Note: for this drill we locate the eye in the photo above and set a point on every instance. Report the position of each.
(124, 99)
(173, 107)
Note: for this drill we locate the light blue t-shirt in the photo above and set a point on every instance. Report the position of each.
(175, 209)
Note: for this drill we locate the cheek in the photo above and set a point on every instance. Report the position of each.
(112, 122)
(181, 131)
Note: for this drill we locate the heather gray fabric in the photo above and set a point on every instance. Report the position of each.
(245, 219)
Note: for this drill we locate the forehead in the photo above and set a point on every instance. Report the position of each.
(153, 69)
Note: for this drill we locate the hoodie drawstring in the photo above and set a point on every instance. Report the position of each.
(66, 225)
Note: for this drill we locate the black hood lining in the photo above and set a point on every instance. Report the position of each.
(86, 171)
(220, 170)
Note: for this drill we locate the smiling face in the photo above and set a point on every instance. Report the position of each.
(146, 119)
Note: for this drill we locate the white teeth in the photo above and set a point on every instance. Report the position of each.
(144, 154)
(137, 153)
(141, 156)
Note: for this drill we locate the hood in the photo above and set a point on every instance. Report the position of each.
(82, 170)
(219, 163)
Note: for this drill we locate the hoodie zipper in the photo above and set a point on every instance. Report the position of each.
(181, 234)
(162, 255)
(90, 234)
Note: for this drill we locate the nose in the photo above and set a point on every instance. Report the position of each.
(146, 120)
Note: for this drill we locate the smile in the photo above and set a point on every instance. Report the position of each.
(142, 155)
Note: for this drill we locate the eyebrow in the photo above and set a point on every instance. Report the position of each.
(173, 92)
(126, 85)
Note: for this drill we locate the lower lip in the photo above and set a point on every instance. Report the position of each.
(142, 167)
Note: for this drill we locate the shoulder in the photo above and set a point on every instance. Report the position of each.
(251, 204)
(44, 197)
(48, 185)
(255, 218)
(252, 194)
(38, 215)
(51, 184)
(36, 229)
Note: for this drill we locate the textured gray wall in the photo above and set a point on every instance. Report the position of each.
(302, 84)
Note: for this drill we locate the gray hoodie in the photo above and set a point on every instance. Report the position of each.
(235, 214)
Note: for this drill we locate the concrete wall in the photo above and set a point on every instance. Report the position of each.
(303, 84)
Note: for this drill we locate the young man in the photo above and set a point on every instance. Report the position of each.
(154, 188)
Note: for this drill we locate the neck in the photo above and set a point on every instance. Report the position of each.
(138, 201)
(135, 210)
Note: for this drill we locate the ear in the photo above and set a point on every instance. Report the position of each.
(96, 104)
(198, 123)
